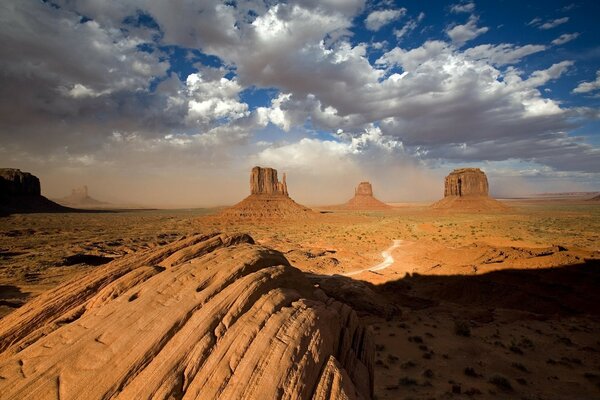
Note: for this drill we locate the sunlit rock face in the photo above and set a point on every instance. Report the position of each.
(466, 182)
(264, 181)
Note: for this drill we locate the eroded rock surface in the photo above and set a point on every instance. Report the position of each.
(207, 317)
(364, 200)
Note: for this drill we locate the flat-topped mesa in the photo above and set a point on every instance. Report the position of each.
(15, 182)
(264, 181)
(467, 189)
(466, 182)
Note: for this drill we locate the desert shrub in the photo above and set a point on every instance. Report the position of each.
(462, 328)
(501, 383)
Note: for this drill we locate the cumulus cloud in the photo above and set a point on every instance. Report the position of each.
(460, 34)
(587, 87)
(565, 38)
(111, 97)
(378, 19)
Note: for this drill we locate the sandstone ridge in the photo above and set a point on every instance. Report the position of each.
(269, 199)
(364, 200)
(207, 317)
(467, 189)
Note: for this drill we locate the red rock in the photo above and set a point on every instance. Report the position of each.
(364, 200)
(467, 189)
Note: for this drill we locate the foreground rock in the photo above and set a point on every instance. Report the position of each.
(269, 199)
(364, 200)
(21, 192)
(467, 189)
(207, 317)
(80, 197)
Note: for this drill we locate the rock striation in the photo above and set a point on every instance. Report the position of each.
(467, 189)
(364, 200)
(21, 192)
(207, 317)
(269, 199)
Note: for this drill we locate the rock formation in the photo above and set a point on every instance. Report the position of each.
(208, 317)
(264, 181)
(15, 182)
(79, 197)
(21, 192)
(364, 200)
(467, 189)
(466, 182)
(269, 199)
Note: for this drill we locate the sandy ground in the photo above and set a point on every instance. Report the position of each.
(457, 329)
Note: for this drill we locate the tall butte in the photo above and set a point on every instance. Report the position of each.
(364, 200)
(467, 189)
(269, 198)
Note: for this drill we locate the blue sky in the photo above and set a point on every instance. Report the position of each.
(120, 95)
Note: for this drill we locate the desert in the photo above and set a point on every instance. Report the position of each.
(299, 200)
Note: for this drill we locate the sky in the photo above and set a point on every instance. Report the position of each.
(172, 103)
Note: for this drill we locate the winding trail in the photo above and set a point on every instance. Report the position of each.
(388, 260)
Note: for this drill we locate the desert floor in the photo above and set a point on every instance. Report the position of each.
(486, 305)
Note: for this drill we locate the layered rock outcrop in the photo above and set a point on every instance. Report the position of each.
(208, 317)
(364, 200)
(269, 199)
(21, 192)
(467, 189)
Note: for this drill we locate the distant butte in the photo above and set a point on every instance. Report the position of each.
(467, 189)
(269, 198)
(80, 197)
(364, 200)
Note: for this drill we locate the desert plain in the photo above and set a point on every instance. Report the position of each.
(461, 304)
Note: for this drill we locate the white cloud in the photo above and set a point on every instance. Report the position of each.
(553, 23)
(504, 53)
(378, 19)
(460, 34)
(586, 87)
(565, 38)
(410, 26)
(465, 7)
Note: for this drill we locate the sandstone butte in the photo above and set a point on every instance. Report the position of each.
(206, 317)
(364, 200)
(268, 199)
(21, 192)
(80, 197)
(467, 189)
